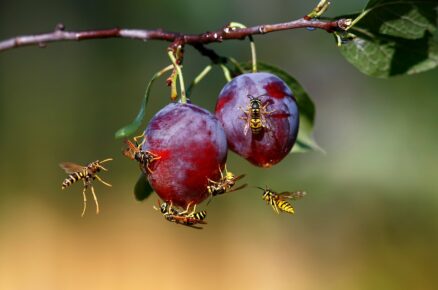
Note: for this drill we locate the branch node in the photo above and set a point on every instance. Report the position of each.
(262, 29)
(60, 27)
(344, 24)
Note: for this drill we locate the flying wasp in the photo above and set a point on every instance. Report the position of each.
(87, 174)
(134, 152)
(185, 217)
(225, 183)
(278, 200)
(255, 115)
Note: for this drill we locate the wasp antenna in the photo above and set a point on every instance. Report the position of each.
(103, 168)
(106, 160)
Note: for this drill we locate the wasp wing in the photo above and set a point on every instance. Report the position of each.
(70, 167)
(129, 149)
(239, 177)
(188, 221)
(292, 195)
(238, 188)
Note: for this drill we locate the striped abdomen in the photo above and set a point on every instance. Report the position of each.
(216, 189)
(255, 123)
(285, 206)
(200, 215)
(72, 178)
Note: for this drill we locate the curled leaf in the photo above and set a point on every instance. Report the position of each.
(142, 188)
(130, 129)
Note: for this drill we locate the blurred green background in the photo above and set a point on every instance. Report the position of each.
(369, 220)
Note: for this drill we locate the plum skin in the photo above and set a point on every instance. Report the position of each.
(192, 146)
(274, 143)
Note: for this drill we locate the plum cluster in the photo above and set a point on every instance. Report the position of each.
(256, 116)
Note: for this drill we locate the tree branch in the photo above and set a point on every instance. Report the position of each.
(226, 33)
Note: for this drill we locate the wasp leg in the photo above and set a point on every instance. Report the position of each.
(100, 179)
(274, 205)
(95, 199)
(159, 205)
(149, 169)
(156, 158)
(193, 211)
(185, 212)
(152, 160)
(142, 141)
(84, 206)
(212, 181)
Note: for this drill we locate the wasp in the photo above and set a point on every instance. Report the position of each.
(134, 152)
(87, 174)
(225, 183)
(185, 217)
(255, 115)
(278, 200)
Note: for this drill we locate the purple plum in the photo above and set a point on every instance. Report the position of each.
(266, 136)
(192, 147)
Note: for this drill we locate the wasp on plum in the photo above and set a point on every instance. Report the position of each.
(225, 183)
(255, 115)
(133, 151)
(185, 217)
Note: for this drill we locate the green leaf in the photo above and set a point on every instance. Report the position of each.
(130, 129)
(394, 37)
(142, 188)
(305, 141)
(409, 19)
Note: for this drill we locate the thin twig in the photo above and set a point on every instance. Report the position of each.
(60, 34)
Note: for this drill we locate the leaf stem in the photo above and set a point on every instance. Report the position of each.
(197, 79)
(226, 71)
(322, 6)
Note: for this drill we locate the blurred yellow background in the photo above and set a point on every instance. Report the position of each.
(369, 220)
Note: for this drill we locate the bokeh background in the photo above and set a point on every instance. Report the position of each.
(369, 220)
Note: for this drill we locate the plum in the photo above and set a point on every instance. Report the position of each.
(192, 147)
(262, 137)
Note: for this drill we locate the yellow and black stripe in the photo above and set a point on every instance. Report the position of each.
(285, 206)
(255, 122)
(72, 178)
(200, 215)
